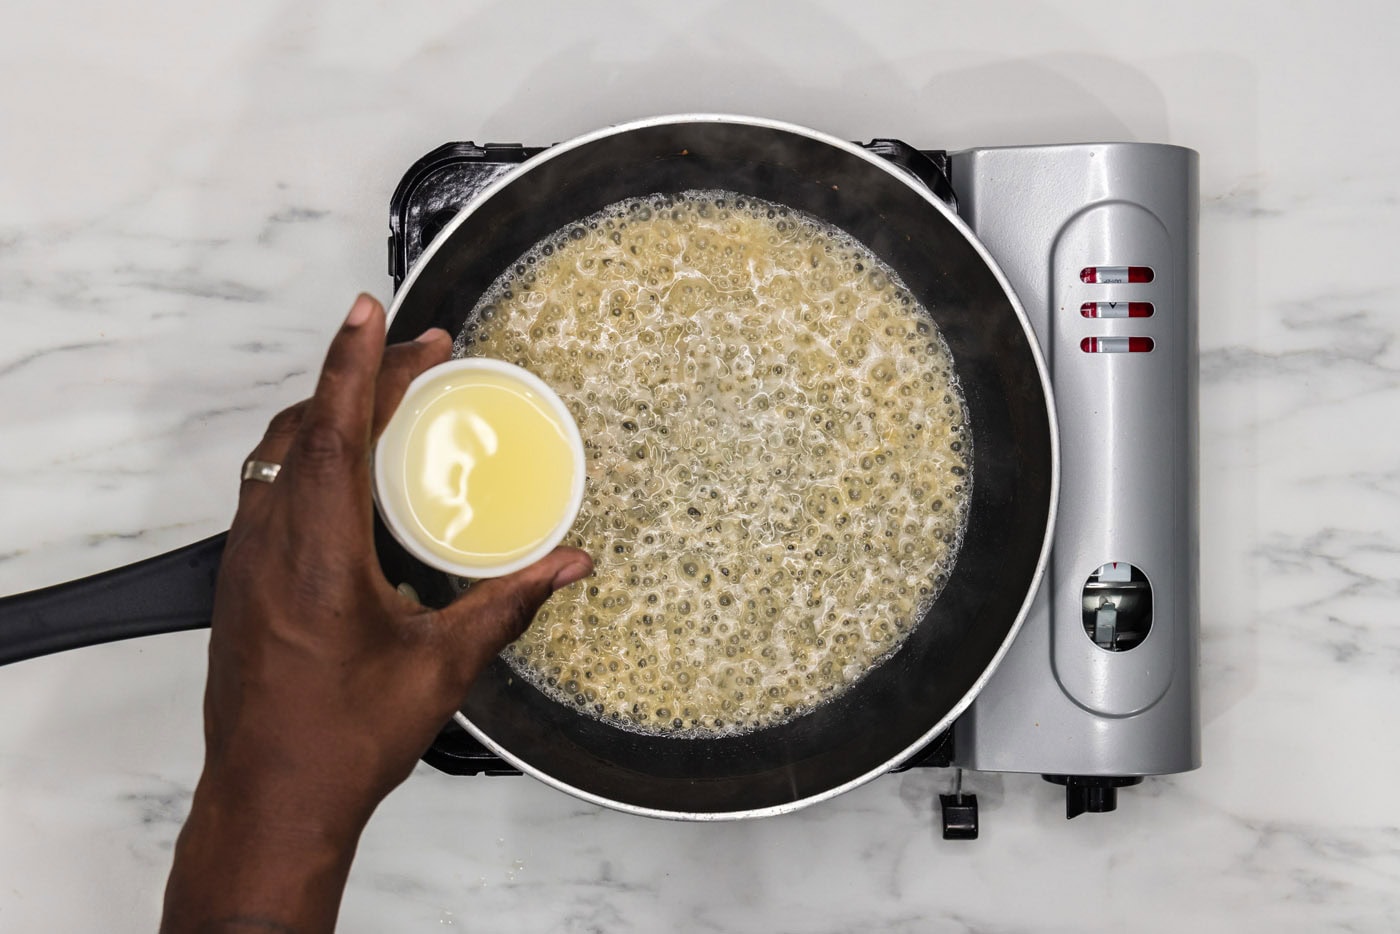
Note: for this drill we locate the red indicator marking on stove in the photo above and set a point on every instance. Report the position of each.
(1116, 345)
(1115, 275)
(1116, 309)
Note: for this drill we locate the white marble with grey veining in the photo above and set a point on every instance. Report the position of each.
(190, 194)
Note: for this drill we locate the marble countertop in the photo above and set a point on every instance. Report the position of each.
(190, 194)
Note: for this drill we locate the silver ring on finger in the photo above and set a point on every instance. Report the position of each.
(263, 471)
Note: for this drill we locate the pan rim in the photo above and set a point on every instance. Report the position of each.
(1042, 373)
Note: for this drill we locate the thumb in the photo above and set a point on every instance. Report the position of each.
(493, 613)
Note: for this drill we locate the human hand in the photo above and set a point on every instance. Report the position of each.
(325, 683)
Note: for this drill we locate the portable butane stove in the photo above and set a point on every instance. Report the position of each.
(1099, 689)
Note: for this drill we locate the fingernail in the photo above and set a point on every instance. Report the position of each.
(571, 574)
(430, 335)
(360, 311)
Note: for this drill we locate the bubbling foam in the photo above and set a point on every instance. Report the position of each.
(777, 449)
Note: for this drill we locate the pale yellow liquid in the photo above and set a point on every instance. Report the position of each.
(488, 469)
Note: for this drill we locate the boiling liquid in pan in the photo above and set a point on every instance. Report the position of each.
(777, 453)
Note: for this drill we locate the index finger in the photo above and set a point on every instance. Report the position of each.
(328, 461)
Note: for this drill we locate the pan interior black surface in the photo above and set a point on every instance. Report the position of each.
(895, 707)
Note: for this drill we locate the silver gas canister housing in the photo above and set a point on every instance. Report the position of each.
(1100, 243)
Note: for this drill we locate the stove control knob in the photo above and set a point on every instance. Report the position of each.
(1097, 794)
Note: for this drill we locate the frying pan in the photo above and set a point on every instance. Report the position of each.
(886, 716)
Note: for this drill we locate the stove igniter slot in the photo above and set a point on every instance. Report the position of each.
(1116, 275)
(1116, 310)
(1117, 345)
(1117, 606)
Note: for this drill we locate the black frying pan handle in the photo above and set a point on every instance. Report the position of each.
(172, 592)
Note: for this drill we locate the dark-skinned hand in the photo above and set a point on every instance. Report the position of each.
(325, 682)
